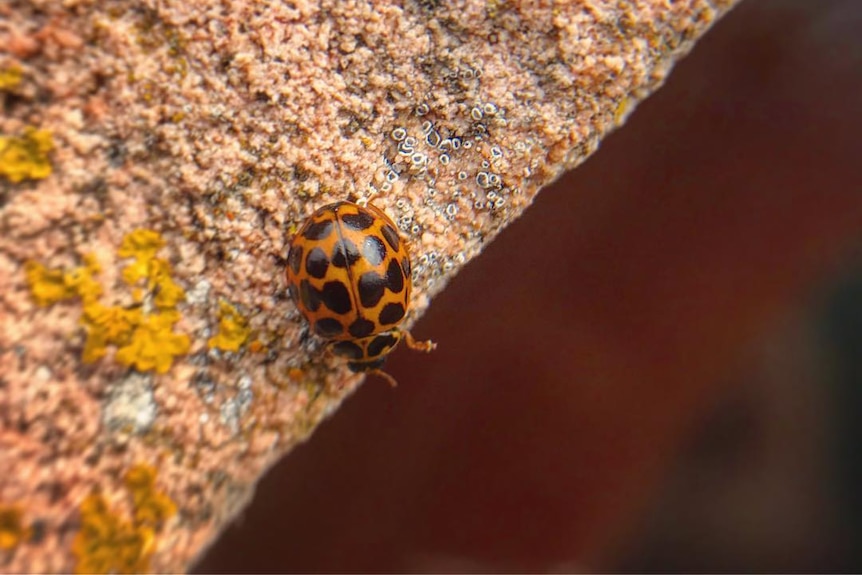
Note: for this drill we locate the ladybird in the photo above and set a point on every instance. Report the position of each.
(348, 271)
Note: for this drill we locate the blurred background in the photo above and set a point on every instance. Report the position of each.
(658, 368)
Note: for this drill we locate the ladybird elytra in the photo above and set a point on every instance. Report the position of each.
(348, 271)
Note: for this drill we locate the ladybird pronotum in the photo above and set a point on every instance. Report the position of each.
(349, 273)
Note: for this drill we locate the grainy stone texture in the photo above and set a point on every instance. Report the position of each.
(221, 126)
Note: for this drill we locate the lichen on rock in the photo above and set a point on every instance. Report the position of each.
(109, 542)
(25, 156)
(144, 337)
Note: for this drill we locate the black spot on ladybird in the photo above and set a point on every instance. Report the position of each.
(317, 230)
(371, 287)
(391, 313)
(347, 349)
(336, 297)
(309, 296)
(359, 221)
(294, 259)
(361, 327)
(328, 327)
(373, 250)
(394, 279)
(391, 236)
(381, 343)
(344, 254)
(405, 265)
(317, 263)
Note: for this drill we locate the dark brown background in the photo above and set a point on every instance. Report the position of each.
(637, 374)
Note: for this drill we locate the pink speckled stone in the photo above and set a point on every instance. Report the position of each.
(222, 125)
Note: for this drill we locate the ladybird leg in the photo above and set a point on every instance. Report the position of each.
(426, 346)
(329, 353)
(380, 373)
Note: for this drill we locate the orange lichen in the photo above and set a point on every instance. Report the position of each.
(296, 374)
(108, 542)
(26, 156)
(144, 340)
(13, 532)
(233, 329)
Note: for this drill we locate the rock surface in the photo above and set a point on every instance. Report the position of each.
(155, 159)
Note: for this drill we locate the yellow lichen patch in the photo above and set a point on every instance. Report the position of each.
(108, 325)
(82, 280)
(622, 111)
(233, 329)
(10, 77)
(153, 344)
(167, 292)
(145, 340)
(26, 156)
(142, 245)
(47, 286)
(152, 507)
(110, 543)
(13, 532)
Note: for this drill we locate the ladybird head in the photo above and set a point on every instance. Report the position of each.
(366, 366)
(367, 353)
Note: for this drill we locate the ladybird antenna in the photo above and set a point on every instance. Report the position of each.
(380, 373)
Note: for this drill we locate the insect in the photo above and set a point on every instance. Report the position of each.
(349, 273)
